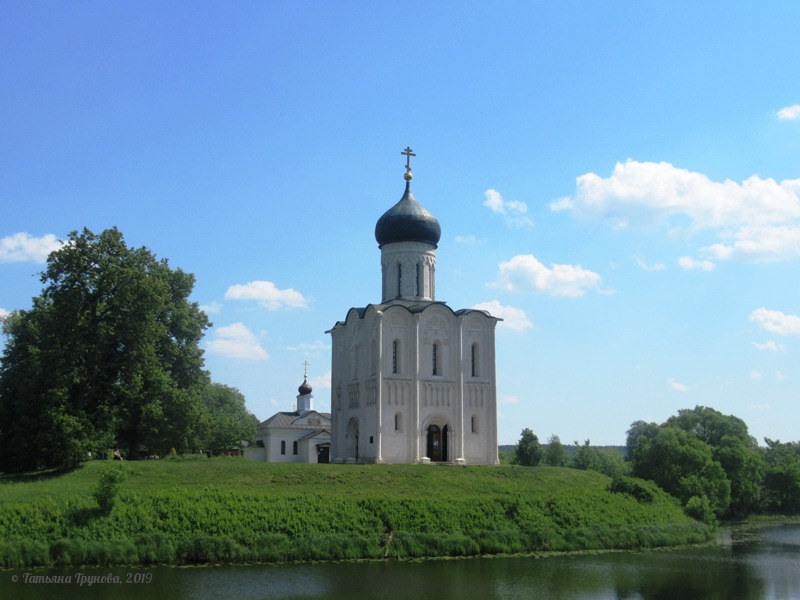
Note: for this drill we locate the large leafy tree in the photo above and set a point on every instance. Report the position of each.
(554, 453)
(782, 478)
(226, 422)
(682, 465)
(107, 355)
(529, 450)
(603, 460)
(732, 446)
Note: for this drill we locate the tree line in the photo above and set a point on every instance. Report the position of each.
(108, 356)
(706, 459)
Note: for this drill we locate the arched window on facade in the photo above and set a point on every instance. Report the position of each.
(474, 359)
(399, 280)
(398, 421)
(474, 424)
(396, 356)
(294, 447)
(283, 446)
(436, 358)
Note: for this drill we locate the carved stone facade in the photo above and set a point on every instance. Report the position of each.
(412, 380)
(409, 271)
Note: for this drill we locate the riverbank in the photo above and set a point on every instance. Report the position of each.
(231, 510)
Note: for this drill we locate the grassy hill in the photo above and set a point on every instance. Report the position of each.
(232, 510)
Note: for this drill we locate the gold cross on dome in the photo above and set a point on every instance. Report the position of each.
(305, 369)
(408, 154)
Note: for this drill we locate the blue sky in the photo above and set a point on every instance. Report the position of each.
(620, 181)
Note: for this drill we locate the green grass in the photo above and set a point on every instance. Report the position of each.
(232, 510)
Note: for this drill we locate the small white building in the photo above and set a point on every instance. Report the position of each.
(303, 435)
(412, 380)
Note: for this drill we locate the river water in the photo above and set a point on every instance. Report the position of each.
(745, 564)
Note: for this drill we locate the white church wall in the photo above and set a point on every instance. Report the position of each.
(255, 453)
(399, 273)
(438, 327)
(308, 449)
(397, 327)
(276, 451)
(279, 445)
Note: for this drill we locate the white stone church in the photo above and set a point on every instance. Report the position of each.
(301, 435)
(413, 380)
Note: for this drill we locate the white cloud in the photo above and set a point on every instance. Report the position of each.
(269, 296)
(755, 375)
(789, 113)
(690, 264)
(645, 267)
(646, 192)
(468, 240)
(236, 341)
(211, 308)
(757, 219)
(779, 376)
(678, 387)
(775, 321)
(769, 345)
(510, 399)
(564, 203)
(23, 247)
(524, 273)
(762, 243)
(762, 406)
(312, 348)
(513, 212)
(4, 313)
(514, 319)
(321, 381)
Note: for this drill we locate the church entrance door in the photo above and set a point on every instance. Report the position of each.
(437, 443)
(323, 453)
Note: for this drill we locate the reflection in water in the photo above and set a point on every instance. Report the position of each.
(754, 564)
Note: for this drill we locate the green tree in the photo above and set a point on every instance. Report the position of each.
(529, 451)
(782, 477)
(683, 466)
(709, 425)
(554, 453)
(605, 461)
(733, 447)
(638, 428)
(108, 354)
(226, 420)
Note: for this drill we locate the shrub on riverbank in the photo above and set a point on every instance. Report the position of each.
(231, 510)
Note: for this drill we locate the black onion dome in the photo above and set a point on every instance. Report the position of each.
(407, 221)
(304, 388)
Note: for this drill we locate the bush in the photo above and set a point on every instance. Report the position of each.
(155, 548)
(699, 508)
(627, 485)
(108, 488)
(24, 553)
